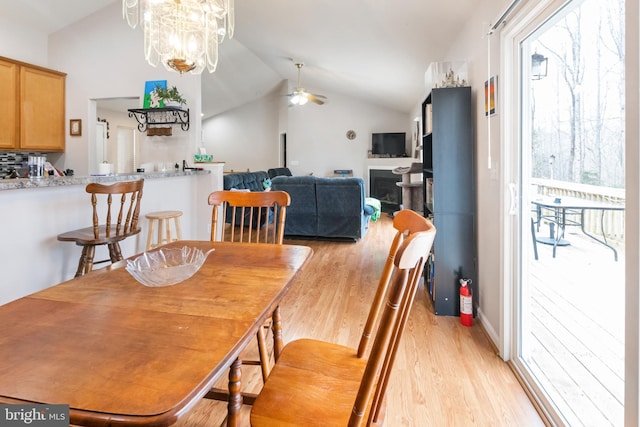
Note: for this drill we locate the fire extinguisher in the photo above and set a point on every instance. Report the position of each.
(466, 303)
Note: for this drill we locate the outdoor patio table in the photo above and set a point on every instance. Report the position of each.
(569, 211)
(120, 353)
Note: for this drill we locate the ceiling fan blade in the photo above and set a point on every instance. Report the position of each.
(318, 99)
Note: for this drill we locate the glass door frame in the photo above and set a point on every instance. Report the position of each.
(528, 18)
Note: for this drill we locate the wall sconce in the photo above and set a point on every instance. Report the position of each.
(538, 66)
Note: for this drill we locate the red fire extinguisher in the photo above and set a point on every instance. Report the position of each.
(466, 303)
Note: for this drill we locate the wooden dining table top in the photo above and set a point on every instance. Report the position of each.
(116, 351)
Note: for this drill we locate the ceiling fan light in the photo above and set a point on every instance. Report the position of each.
(299, 99)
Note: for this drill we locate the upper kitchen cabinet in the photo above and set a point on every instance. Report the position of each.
(34, 107)
(9, 124)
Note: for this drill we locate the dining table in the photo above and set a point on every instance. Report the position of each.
(121, 353)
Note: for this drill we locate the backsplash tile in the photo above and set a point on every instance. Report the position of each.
(14, 160)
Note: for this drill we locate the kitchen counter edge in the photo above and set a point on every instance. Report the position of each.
(61, 181)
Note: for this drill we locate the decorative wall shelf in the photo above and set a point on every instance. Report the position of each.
(160, 117)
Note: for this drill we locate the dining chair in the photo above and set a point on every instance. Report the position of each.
(321, 383)
(252, 217)
(245, 216)
(116, 208)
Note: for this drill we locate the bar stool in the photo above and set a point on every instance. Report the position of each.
(163, 218)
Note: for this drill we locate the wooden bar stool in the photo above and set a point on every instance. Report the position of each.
(163, 218)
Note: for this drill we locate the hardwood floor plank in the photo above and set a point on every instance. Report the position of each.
(445, 374)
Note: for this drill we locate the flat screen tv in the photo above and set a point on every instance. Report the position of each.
(392, 144)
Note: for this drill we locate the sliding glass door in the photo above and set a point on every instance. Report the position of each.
(570, 260)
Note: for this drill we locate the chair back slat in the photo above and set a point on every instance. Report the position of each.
(406, 222)
(239, 216)
(390, 356)
(126, 206)
(409, 261)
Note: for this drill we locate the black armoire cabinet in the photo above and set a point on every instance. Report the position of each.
(449, 195)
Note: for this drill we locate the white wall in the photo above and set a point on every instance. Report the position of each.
(23, 45)
(248, 137)
(316, 136)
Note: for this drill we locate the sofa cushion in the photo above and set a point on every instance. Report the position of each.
(340, 206)
(302, 214)
(245, 181)
(251, 180)
(273, 172)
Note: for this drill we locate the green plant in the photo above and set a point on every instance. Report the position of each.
(170, 94)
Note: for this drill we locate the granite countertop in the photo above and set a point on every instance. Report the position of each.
(60, 181)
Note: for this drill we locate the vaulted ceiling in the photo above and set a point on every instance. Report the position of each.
(373, 50)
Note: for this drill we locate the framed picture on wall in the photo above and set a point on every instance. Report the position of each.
(75, 127)
(151, 99)
(490, 96)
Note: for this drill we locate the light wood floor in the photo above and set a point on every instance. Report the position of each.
(445, 374)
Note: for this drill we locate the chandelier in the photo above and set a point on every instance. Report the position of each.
(182, 34)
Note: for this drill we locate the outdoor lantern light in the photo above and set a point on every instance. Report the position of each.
(538, 66)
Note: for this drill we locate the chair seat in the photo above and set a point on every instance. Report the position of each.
(310, 377)
(85, 236)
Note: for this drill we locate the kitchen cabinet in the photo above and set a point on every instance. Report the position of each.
(32, 107)
(9, 125)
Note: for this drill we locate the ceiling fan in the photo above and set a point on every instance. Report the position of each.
(300, 96)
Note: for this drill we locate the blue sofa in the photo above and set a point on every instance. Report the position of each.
(325, 207)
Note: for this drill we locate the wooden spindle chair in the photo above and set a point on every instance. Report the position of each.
(252, 217)
(320, 383)
(116, 208)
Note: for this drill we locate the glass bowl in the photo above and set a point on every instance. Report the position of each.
(166, 266)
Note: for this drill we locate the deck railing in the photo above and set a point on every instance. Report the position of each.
(613, 221)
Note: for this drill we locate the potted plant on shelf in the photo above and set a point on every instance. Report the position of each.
(170, 96)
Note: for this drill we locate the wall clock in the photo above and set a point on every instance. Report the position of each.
(351, 134)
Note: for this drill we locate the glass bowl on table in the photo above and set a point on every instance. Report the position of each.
(166, 266)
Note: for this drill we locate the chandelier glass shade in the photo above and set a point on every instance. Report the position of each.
(183, 35)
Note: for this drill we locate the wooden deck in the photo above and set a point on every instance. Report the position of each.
(576, 321)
